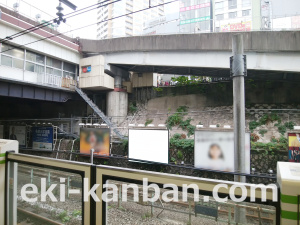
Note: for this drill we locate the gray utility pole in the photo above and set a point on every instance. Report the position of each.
(238, 72)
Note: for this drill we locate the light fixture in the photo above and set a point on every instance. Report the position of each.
(81, 124)
(16, 6)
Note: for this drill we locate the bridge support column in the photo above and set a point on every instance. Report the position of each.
(117, 100)
(117, 105)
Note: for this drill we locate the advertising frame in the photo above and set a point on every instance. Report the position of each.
(295, 132)
(148, 161)
(224, 130)
(25, 134)
(95, 155)
(52, 144)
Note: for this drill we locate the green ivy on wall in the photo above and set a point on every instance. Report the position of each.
(177, 119)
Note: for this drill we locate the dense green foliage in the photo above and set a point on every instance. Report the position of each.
(270, 118)
(262, 132)
(187, 81)
(177, 142)
(158, 89)
(280, 144)
(125, 146)
(177, 119)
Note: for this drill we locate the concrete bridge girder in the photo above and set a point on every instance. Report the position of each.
(269, 61)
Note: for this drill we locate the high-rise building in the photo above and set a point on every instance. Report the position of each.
(236, 15)
(129, 25)
(195, 16)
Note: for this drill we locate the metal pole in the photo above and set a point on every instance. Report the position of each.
(238, 105)
(92, 156)
(238, 73)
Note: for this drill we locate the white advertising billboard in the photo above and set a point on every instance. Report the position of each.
(18, 133)
(215, 150)
(149, 145)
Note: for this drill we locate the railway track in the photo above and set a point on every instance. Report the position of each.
(32, 218)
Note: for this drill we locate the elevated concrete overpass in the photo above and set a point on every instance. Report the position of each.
(273, 54)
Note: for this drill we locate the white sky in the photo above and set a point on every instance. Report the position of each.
(49, 6)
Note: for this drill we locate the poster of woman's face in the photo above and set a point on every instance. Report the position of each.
(215, 150)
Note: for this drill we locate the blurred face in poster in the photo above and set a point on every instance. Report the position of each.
(97, 139)
(215, 152)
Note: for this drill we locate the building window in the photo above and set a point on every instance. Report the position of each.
(34, 57)
(53, 71)
(246, 3)
(246, 12)
(219, 6)
(69, 70)
(220, 17)
(18, 63)
(232, 15)
(12, 51)
(6, 61)
(53, 63)
(232, 4)
(35, 62)
(32, 67)
(12, 57)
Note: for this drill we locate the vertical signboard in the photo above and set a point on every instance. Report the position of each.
(265, 11)
(95, 138)
(294, 147)
(18, 133)
(1, 132)
(215, 150)
(42, 138)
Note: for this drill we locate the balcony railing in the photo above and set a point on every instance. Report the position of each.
(55, 80)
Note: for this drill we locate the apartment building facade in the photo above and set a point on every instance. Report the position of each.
(120, 20)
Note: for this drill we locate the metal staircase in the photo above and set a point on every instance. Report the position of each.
(99, 112)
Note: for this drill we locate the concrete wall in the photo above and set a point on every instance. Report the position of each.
(219, 94)
(96, 79)
(269, 41)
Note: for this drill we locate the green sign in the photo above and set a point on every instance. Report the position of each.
(195, 20)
